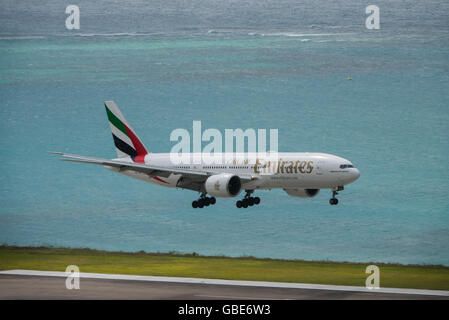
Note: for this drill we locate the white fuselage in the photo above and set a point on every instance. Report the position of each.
(288, 170)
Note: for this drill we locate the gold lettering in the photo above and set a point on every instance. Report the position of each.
(279, 165)
(282, 166)
(289, 169)
(256, 170)
(309, 166)
(301, 167)
(296, 166)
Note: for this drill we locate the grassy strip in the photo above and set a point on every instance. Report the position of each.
(245, 268)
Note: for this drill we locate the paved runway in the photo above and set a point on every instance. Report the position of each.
(45, 287)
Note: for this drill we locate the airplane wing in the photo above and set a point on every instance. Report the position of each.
(152, 171)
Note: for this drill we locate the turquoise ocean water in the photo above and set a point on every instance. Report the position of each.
(248, 64)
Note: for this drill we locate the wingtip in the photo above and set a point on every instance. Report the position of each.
(56, 152)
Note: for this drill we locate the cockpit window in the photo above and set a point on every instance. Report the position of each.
(344, 166)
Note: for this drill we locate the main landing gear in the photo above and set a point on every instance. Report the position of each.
(203, 201)
(334, 201)
(247, 200)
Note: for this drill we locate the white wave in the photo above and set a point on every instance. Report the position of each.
(295, 34)
(21, 37)
(223, 31)
(118, 34)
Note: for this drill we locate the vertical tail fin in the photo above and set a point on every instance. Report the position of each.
(127, 144)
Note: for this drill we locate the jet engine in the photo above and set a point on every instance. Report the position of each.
(302, 193)
(223, 185)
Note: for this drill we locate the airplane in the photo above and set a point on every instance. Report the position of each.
(299, 174)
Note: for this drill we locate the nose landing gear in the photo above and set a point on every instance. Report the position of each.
(203, 201)
(247, 201)
(334, 201)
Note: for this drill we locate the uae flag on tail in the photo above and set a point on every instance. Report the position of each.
(126, 142)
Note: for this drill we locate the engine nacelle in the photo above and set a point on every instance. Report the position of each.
(302, 193)
(223, 185)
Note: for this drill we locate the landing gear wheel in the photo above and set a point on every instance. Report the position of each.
(333, 200)
(203, 201)
(247, 201)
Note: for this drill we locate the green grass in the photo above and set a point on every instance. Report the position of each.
(245, 268)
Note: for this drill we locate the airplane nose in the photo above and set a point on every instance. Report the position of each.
(356, 173)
